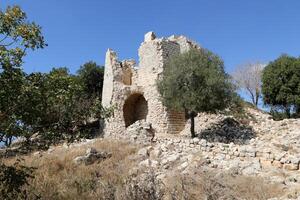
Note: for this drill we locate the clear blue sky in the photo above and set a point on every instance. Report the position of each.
(238, 30)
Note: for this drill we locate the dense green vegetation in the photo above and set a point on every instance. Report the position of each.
(194, 82)
(91, 76)
(17, 36)
(60, 105)
(281, 86)
(56, 105)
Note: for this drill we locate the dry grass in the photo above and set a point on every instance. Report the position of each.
(212, 186)
(57, 177)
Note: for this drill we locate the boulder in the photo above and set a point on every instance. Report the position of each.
(143, 152)
(91, 156)
(291, 167)
(148, 163)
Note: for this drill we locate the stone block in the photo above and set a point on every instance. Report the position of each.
(155, 153)
(259, 154)
(290, 167)
(149, 36)
(295, 160)
(277, 164)
(266, 163)
(143, 152)
(196, 140)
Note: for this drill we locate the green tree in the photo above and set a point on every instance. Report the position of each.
(57, 104)
(194, 82)
(281, 84)
(46, 101)
(11, 82)
(17, 35)
(91, 75)
(59, 107)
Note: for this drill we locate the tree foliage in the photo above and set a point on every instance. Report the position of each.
(91, 75)
(194, 82)
(16, 36)
(57, 104)
(281, 84)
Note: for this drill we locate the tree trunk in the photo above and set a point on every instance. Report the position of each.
(288, 112)
(192, 116)
(256, 98)
(193, 126)
(297, 110)
(253, 99)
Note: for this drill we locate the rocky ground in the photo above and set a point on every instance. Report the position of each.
(261, 147)
(265, 151)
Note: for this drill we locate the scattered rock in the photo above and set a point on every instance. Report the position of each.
(291, 167)
(91, 156)
(183, 166)
(140, 132)
(143, 152)
(37, 154)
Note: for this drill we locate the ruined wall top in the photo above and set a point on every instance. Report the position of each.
(153, 54)
(184, 42)
(149, 36)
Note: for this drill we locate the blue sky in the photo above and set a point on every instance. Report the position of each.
(237, 30)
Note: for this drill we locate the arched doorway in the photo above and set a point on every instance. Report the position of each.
(135, 108)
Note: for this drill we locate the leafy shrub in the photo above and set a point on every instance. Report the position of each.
(14, 182)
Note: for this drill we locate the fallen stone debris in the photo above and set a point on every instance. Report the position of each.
(92, 156)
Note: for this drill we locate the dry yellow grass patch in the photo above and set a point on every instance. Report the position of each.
(57, 177)
(209, 185)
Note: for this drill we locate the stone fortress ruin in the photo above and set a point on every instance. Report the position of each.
(132, 91)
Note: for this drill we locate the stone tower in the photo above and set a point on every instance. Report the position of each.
(132, 90)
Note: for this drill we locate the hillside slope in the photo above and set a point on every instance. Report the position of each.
(231, 159)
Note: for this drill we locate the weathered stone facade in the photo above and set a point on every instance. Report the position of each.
(131, 89)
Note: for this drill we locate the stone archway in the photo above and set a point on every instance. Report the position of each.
(135, 108)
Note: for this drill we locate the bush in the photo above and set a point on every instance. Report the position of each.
(14, 182)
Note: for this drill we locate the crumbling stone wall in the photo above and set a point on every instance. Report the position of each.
(132, 89)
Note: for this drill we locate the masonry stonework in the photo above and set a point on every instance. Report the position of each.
(131, 89)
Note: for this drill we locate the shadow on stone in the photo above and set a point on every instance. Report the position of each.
(227, 131)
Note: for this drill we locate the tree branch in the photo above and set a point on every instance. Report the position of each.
(6, 36)
(15, 40)
(252, 95)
